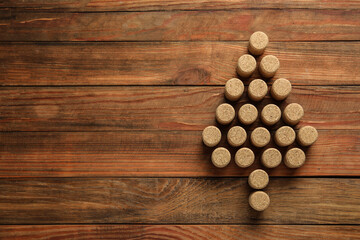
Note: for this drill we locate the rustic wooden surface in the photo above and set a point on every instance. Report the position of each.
(102, 104)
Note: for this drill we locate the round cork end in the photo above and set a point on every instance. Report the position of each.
(258, 179)
(294, 158)
(220, 157)
(269, 65)
(257, 90)
(293, 113)
(280, 89)
(284, 136)
(271, 158)
(246, 65)
(244, 157)
(225, 113)
(234, 88)
(259, 200)
(236, 136)
(258, 42)
(270, 114)
(307, 136)
(247, 114)
(211, 136)
(260, 137)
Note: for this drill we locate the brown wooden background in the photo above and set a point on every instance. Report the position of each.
(102, 104)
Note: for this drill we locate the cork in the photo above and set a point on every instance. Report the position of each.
(236, 136)
(257, 43)
(220, 157)
(259, 200)
(269, 65)
(244, 157)
(247, 114)
(257, 89)
(225, 113)
(284, 136)
(260, 137)
(270, 114)
(271, 158)
(280, 89)
(234, 88)
(294, 158)
(211, 136)
(258, 179)
(293, 113)
(246, 65)
(307, 136)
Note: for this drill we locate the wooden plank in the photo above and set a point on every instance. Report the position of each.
(156, 153)
(170, 63)
(203, 232)
(305, 25)
(177, 201)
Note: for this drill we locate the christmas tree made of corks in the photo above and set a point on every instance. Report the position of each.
(270, 114)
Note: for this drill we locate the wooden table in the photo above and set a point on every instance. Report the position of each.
(103, 103)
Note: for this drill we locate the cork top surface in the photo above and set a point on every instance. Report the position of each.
(259, 200)
(271, 158)
(211, 136)
(260, 137)
(220, 157)
(244, 157)
(247, 63)
(284, 136)
(307, 135)
(257, 89)
(294, 158)
(225, 113)
(234, 88)
(248, 113)
(270, 114)
(236, 136)
(269, 65)
(280, 89)
(258, 179)
(293, 113)
(258, 40)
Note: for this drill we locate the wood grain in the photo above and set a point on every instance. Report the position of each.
(178, 232)
(170, 63)
(281, 25)
(176, 201)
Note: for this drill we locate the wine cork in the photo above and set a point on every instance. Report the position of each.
(244, 157)
(211, 136)
(257, 43)
(259, 200)
(260, 137)
(225, 113)
(247, 114)
(246, 65)
(294, 158)
(271, 158)
(220, 157)
(284, 136)
(236, 136)
(307, 136)
(269, 65)
(257, 89)
(234, 88)
(280, 89)
(258, 179)
(270, 114)
(293, 113)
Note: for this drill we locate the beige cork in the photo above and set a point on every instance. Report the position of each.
(284, 136)
(293, 113)
(271, 158)
(270, 114)
(234, 88)
(244, 157)
(294, 158)
(257, 89)
(257, 43)
(211, 136)
(258, 179)
(220, 157)
(247, 114)
(269, 65)
(246, 65)
(260, 137)
(259, 200)
(225, 113)
(307, 136)
(236, 136)
(280, 89)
